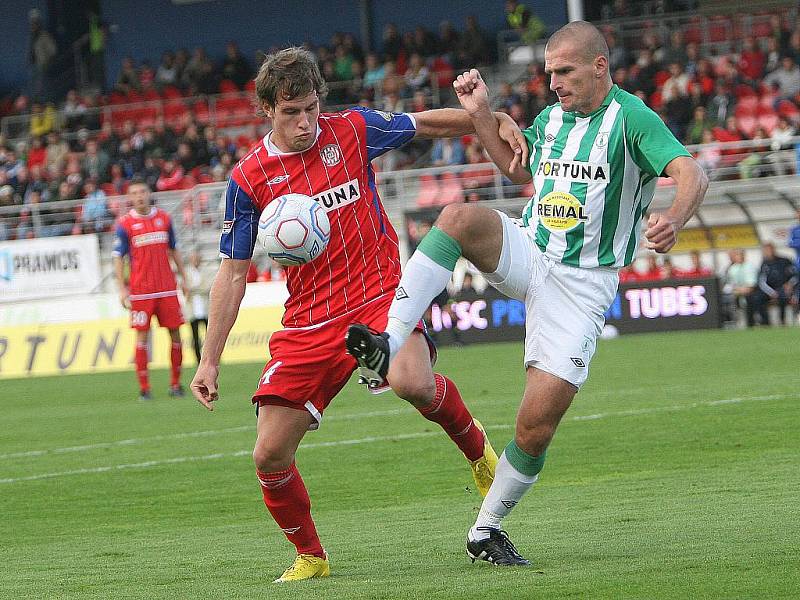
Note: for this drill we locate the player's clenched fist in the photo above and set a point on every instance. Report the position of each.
(472, 91)
(661, 233)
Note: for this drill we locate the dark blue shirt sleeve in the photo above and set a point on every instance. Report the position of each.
(240, 225)
(171, 232)
(386, 131)
(121, 244)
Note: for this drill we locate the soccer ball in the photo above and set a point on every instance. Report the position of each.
(294, 229)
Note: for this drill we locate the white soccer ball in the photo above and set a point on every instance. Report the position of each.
(294, 229)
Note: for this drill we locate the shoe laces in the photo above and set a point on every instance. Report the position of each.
(501, 537)
(301, 561)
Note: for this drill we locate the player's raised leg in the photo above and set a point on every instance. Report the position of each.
(437, 399)
(545, 401)
(471, 231)
(280, 430)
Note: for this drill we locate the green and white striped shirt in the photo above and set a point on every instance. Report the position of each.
(594, 177)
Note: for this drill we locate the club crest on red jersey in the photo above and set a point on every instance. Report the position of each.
(331, 155)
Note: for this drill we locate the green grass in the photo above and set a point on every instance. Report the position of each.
(674, 475)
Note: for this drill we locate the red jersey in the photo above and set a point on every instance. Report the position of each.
(362, 260)
(146, 239)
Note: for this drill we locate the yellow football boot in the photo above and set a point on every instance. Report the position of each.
(483, 468)
(306, 566)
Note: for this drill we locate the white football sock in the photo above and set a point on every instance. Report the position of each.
(422, 280)
(508, 488)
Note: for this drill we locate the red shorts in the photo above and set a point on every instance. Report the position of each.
(308, 367)
(167, 309)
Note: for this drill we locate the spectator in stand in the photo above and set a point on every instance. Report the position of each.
(526, 23)
(272, 272)
(374, 74)
(794, 240)
(6, 196)
(773, 56)
(37, 154)
(474, 50)
(675, 94)
(721, 104)
(780, 156)
(776, 280)
(740, 283)
(165, 137)
(128, 79)
(697, 270)
(150, 172)
(505, 97)
(730, 133)
(786, 80)
(95, 162)
(793, 49)
(42, 51)
(752, 61)
(342, 63)
(710, 155)
(628, 274)
(129, 161)
(166, 74)
(449, 41)
(697, 127)
(704, 79)
(74, 111)
(676, 51)
(447, 152)
(391, 41)
(43, 119)
(780, 32)
(417, 76)
(617, 55)
(668, 270)
(692, 64)
(56, 153)
(425, 43)
(95, 217)
(235, 66)
(147, 76)
(646, 69)
(171, 176)
(186, 157)
(181, 63)
(752, 165)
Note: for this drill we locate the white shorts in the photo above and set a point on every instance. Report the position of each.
(564, 305)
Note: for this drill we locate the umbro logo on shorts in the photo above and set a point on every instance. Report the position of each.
(400, 294)
(578, 362)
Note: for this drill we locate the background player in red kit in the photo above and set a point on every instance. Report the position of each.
(146, 237)
(355, 278)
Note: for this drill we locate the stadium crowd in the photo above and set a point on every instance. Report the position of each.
(156, 121)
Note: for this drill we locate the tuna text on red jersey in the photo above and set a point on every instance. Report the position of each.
(362, 260)
(147, 239)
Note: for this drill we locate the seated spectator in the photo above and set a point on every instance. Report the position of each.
(780, 158)
(786, 80)
(374, 73)
(721, 104)
(776, 280)
(74, 111)
(752, 61)
(95, 162)
(697, 270)
(56, 153)
(753, 165)
(699, 125)
(95, 217)
(43, 119)
(676, 51)
(710, 155)
(37, 154)
(171, 175)
(166, 74)
(235, 66)
(474, 49)
(447, 151)
(739, 284)
(128, 79)
(506, 97)
(417, 76)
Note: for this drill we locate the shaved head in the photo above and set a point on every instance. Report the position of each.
(582, 35)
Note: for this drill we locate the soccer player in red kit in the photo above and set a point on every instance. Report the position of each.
(146, 237)
(326, 156)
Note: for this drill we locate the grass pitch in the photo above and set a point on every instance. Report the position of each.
(674, 475)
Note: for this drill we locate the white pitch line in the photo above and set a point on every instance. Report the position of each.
(391, 438)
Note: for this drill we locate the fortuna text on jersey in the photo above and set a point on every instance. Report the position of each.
(340, 196)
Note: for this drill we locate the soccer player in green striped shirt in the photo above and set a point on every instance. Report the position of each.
(594, 157)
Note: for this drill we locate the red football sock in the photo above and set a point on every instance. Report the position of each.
(287, 499)
(176, 357)
(448, 410)
(141, 367)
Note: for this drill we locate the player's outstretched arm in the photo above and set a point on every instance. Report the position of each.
(226, 297)
(502, 140)
(691, 184)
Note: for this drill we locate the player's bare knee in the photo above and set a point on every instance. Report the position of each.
(419, 393)
(455, 220)
(269, 458)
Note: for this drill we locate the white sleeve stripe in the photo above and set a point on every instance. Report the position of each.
(412, 119)
(391, 130)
